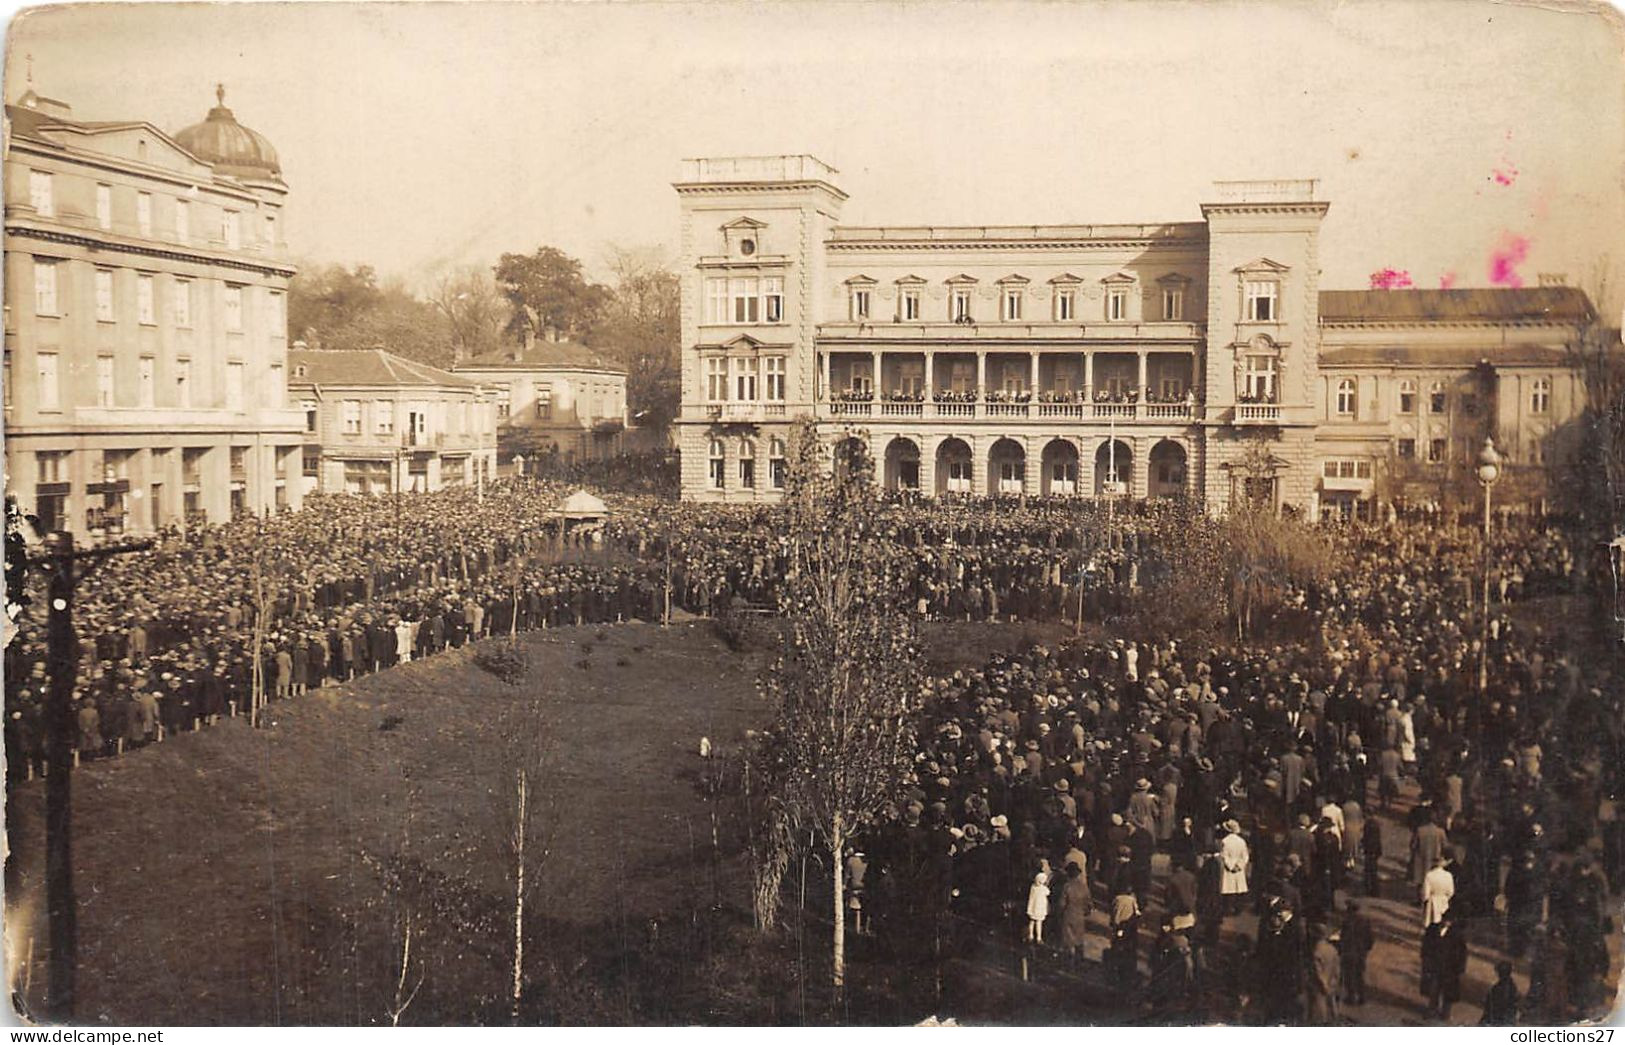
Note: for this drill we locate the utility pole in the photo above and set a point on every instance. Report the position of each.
(61, 726)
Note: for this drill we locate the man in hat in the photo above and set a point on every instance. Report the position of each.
(1143, 807)
(1233, 861)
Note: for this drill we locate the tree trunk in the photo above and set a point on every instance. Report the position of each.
(838, 965)
(519, 899)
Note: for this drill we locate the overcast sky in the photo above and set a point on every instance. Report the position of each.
(416, 136)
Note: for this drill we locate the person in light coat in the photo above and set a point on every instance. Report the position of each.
(1233, 860)
(1438, 886)
(1037, 907)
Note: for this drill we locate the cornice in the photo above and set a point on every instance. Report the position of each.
(142, 250)
(118, 164)
(1014, 244)
(1316, 209)
(731, 188)
(1447, 324)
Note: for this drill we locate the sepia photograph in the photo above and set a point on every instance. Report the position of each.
(814, 514)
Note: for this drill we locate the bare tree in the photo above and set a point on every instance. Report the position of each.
(847, 685)
(526, 811)
(475, 311)
(1596, 352)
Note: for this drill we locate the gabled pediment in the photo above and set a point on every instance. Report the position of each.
(1174, 279)
(859, 280)
(745, 223)
(743, 341)
(1120, 278)
(1067, 278)
(910, 281)
(963, 277)
(145, 143)
(1261, 265)
(1014, 279)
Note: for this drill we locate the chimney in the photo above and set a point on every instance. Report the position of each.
(1554, 279)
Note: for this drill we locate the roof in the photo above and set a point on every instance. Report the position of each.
(232, 148)
(367, 366)
(1479, 304)
(1444, 356)
(541, 355)
(582, 503)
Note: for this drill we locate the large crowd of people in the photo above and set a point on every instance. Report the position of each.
(1287, 784)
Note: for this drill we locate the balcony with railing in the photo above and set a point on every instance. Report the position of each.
(1055, 405)
(1258, 413)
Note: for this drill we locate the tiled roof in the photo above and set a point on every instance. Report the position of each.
(366, 366)
(542, 355)
(1492, 304)
(1444, 356)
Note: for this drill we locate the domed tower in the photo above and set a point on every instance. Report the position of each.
(234, 150)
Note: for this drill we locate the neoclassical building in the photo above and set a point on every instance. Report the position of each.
(145, 322)
(1195, 358)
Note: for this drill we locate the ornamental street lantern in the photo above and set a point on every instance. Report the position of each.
(1489, 470)
(1489, 466)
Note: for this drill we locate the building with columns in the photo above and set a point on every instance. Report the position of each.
(145, 322)
(1178, 358)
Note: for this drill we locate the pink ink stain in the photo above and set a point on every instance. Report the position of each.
(1505, 176)
(1447, 281)
(1504, 260)
(1391, 279)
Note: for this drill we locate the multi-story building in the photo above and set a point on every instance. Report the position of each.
(145, 322)
(1180, 358)
(553, 397)
(378, 423)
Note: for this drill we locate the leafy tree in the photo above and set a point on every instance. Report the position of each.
(846, 688)
(641, 329)
(547, 291)
(335, 307)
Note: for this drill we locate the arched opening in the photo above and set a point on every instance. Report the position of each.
(1168, 472)
(953, 466)
(1060, 469)
(902, 464)
(1114, 463)
(1006, 468)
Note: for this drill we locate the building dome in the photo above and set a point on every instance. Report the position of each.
(232, 148)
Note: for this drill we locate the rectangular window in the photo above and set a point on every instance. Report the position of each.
(774, 365)
(745, 379)
(49, 397)
(182, 294)
(1438, 400)
(234, 386)
(1171, 389)
(716, 379)
(279, 314)
(351, 411)
(773, 299)
(104, 380)
(1540, 396)
(716, 301)
(231, 229)
(146, 374)
(1407, 398)
(143, 213)
(44, 287)
(104, 295)
(746, 302)
(859, 304)
(146, 310)
(104, 206)
(1012, 299)
(1116, 304)
(383, 417)
(909, 304)
(1329, 470)
(1263, 305)
(747, 473)
(544, 401)
(52, 466)
(270, 230)
(1407, 449)
(183, 383)
(42, 193)
(1066, 305)
(959, 305)
(234, 308)
(1173, 303)
(1436, 450)
(183, 221)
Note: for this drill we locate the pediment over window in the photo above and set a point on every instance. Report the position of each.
(1259, 345)
(745, 223)
(1015, 280)
(963, 277)
(860, 281)
(910, 281)
(1066, 278)
(1261, 266)
(743, 341)
(1174, 279)
(1120, 278)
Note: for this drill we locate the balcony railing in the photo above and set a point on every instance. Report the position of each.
(902, 409)
(1258, 413)
(842, 409)
(1121, 411)
(1167, 411)
(1003, 408)
(1074, 411)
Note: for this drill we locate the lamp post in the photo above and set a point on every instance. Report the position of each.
(1489, 470)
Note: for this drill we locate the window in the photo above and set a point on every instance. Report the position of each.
(270, 230)
(1171, 389)
(1407, 397)
(182, 294)
(6, 381)
(41, 193)
(146, 311)
(1469, 403)
(911, 377)
(1263, 304)
(1173, 303)
(44, 287)
(143, 213)
(104, 295)
(183, 383)
(719, 466)
(351, 412)
(743, 293)
(544, 401)
(104, 206)
(1540, 396)
(183, 221)
(311, 463)
(716, 301)
(908, 304)
(1438, 398)
(504, 402)
(104, 380)
(775, 463)
(234, 308)
(959, 305)
(279, 314)
(49, 398)
(383, 417)
(745, 379)
(1260, 387)
(1116, 303)
(716, 379)
(860, 303)
(1407, 449)
(1012, 299)
(145, 376)
(52, 466)
(773, 299)
(774, 365)
(1066, 304)
(747, 464)
(1436, 450)
(231, 229)
(234, 386)
(1345, 397)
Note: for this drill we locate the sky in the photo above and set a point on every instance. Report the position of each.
(1458, 142)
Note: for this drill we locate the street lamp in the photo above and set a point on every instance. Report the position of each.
(1489, 470)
